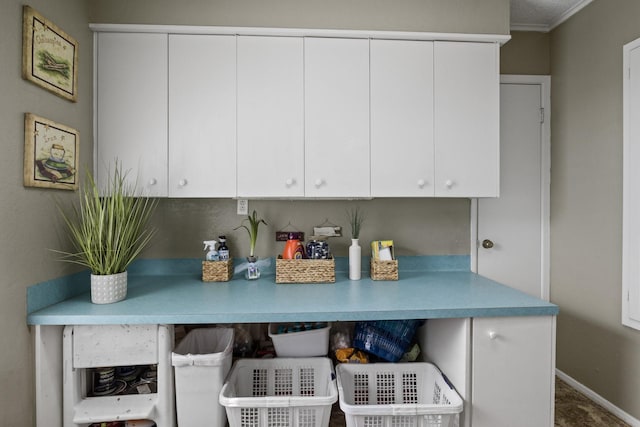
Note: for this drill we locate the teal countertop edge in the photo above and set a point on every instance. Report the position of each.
(171, 291)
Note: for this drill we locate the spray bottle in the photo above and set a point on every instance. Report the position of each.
(212, 254)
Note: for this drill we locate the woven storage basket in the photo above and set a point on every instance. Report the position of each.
(217, 271)
(305, 270)
(384, 270)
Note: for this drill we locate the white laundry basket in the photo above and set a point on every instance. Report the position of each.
(201, 363)
(282, 392)
(397, 394)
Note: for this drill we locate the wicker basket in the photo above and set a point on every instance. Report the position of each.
(305, 270)
(384, 270)
(217, 271)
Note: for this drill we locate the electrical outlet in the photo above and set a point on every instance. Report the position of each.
(243, 207)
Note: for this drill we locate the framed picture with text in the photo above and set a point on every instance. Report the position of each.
(50, 154)
(49, 55)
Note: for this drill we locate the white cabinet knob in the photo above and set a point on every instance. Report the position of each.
(182, 182)
(448, 183)
(493, 335)
(421, 183)
(153, 181)
(319, 182)
(289, 182)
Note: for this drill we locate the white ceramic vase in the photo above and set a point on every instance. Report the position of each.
(355, 259)
(108, 288)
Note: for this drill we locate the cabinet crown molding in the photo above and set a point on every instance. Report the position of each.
(300, 32)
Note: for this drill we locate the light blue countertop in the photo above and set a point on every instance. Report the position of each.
(172, 292)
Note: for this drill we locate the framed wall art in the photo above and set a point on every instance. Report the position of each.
(49, 55)
(50, 154)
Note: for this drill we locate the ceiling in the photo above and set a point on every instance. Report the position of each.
(543, 15)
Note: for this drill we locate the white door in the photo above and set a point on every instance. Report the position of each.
(131, 109)
(202, 115)
(512, 371)
(466, 108)
(401, 118)
(512, 233)
(270, 117)
(336, 117)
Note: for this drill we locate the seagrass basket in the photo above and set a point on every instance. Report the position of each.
(305, 270)
(384, 270)
(217, 271)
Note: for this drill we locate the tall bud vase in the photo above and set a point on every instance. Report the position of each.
(355, 258)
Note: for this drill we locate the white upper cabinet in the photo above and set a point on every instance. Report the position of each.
(467, 131)
(270, 117)
(336, 117)
(202, 116)
(402, 158)
(131, 108)
(300, 113)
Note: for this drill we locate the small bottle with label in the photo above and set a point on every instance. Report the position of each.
(223, 250)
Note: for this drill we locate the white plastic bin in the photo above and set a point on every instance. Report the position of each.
(201, 363)
(283, 392)
(309, 343)
(397, 394)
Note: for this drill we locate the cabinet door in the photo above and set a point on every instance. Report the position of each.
(401, 118)
(337, 117)
(202, 116)
(270, 117)
(131, 108)
(467, 132)
(513, 366)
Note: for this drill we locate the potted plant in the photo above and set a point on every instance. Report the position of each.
(356, 218)
(252, 230)
(108, 232)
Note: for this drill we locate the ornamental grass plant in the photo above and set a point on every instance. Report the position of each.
(108, 231)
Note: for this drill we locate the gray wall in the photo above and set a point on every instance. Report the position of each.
(526, 53)
(28, 224)
(586, 200)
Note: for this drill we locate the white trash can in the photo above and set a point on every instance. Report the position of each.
(201, 363)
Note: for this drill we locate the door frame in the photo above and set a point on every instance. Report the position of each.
(545, 176)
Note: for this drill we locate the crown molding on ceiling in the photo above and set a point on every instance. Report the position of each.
(544, 28)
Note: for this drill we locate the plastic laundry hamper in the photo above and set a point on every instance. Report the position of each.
(397, 394)
(201, 363)
(280, 392)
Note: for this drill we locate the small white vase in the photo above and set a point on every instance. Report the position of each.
(108, 288)
(355, 259)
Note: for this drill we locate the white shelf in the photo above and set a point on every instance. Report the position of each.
(126, 407)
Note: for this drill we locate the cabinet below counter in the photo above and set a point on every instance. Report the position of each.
(172, 292)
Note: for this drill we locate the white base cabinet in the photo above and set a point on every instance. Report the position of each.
(502, 367)
(513, 361)
(95, 346)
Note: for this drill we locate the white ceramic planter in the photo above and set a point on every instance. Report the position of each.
(109, 288)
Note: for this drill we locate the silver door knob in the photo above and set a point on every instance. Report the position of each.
(487, 244)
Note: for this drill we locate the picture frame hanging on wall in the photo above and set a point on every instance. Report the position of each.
(49, 55)
(50, 154)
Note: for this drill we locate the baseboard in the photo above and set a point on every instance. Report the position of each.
(634, 422)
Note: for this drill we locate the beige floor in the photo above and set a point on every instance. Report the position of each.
(572, 410)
